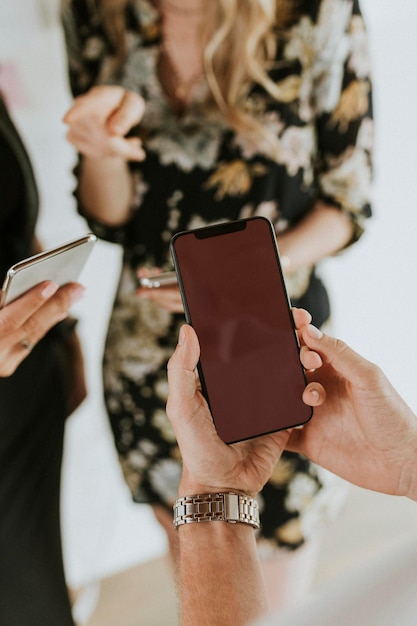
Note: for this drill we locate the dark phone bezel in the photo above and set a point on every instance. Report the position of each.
(218, 230)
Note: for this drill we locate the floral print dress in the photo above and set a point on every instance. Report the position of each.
(198, 171)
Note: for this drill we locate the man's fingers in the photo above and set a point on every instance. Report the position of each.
(184, 399)
(186, 354)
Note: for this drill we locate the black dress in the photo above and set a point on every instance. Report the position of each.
(33, 408)
(199, 171)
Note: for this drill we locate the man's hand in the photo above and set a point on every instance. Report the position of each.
(210, 465)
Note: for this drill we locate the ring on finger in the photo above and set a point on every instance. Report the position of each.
(26, 344)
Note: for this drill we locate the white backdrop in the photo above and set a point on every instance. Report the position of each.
(373, 286)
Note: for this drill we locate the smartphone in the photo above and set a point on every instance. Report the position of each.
(61, 265)
(234, 296)
(155, 281)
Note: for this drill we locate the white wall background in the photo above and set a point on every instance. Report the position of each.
(373, 286)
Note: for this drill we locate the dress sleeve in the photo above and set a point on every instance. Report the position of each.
(88, 49)
(343, 109)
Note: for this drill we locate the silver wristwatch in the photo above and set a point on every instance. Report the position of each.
(212, 507)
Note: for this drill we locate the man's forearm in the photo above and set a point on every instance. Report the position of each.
(220, 580)
(105, 189)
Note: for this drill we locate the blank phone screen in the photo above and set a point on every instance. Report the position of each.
(234, 297)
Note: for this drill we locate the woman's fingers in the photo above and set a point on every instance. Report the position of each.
(26, 320)
(128, 114)
(99, 121)
(310, 360)
(314, 394)
(301, 317)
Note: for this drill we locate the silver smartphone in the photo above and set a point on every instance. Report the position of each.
(61, 265)
(155, 281)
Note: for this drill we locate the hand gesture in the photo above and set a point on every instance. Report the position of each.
(99, 121)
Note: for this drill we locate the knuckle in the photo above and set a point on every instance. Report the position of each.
(374, 374)
(340, 346)
(8, 368)
(5, 324)
(31, 328)
(61, 301)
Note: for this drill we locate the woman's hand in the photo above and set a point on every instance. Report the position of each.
(27, 319)
(99, 121)
(322, 232)
(362, 429)
(167, 297)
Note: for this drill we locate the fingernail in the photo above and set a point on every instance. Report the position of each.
(181, 336)
(49, 290)
(285, 262)
(77, 294)
(314, 332)
(315, 394)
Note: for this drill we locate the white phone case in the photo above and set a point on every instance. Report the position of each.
(61, 265)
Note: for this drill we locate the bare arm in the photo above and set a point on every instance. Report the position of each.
(358, 416)
(98, 123)
(105, 189)
(324, 231)
(220, 580)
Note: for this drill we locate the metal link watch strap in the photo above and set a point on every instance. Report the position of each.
(213, 507)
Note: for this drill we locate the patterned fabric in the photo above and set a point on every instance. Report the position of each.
(198, 171)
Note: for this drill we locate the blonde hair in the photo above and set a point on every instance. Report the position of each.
(238, 54)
